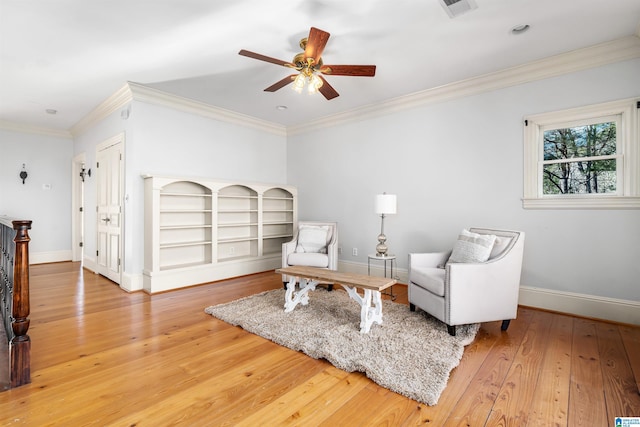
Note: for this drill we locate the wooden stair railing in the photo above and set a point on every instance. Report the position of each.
(14, 281)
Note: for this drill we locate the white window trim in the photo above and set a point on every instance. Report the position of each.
(628, 145)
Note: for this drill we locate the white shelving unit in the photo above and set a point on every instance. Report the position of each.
(278, 219)
(185, 225)
(238, 223)
(198, 231)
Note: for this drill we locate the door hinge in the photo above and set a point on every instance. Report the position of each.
(120, 156)
(81, 244)
(81, 209)
(96, 253)
(118, 262)
(97, 164)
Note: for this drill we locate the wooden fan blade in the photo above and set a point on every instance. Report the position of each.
(282, 83)
(327, 90)
(315, 44)
(349, 70)
(265, 58)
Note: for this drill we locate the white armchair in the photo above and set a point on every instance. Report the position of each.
(314, 244)
(459, 293)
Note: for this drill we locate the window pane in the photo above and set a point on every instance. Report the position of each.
(580, 141)
(597, 176)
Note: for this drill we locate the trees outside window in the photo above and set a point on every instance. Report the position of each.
(583, 158)
(580, 159)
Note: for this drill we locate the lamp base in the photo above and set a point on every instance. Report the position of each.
(381, 248)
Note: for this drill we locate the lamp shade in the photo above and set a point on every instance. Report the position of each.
(386, 204)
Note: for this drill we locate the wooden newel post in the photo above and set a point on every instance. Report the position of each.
(21, 344)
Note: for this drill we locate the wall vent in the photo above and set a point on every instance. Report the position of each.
(458, 7)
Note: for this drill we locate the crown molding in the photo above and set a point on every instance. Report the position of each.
(154, 96)
(594, 56)
(622, 49)
(135, 91)
(23, 128)
(118, 100)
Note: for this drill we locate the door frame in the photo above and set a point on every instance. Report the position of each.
(77, 202)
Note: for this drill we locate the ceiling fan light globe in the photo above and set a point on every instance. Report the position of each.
(316, 82)
(298, 83)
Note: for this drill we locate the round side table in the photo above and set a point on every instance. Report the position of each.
(386, 258)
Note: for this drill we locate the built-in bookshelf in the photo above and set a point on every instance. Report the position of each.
(237, 222)
(185, 225)
(277, 219)
(198, 231)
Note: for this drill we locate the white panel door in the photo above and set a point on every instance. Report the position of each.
(109, 177)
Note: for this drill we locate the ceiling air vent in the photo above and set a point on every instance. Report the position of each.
(458, 7)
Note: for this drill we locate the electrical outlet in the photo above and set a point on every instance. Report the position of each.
(339, 250)
(354, 252)
(232, 250)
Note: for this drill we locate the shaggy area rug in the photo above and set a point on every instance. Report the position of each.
(411, 353)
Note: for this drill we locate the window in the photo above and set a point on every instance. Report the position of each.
(583, 158)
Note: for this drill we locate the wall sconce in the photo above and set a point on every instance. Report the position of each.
(23, 174)
(85, 172)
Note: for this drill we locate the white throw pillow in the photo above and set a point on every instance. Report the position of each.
(312, 239)
(472, 247)
(499, 246)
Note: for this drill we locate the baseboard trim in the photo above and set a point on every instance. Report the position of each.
(592, 306)
(584, 305)
(90, 264)
(47, 257)
(131, 282)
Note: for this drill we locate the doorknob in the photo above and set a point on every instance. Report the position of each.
(106, 219)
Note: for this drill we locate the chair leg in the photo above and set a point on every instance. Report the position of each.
(412, 307)
(505, 324)
(451, 330)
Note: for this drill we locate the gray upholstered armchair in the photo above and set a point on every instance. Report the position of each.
(314, 244)
(460, 291)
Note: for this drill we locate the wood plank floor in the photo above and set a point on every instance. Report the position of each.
(101, 356)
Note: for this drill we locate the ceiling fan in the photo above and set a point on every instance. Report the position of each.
(310, 67)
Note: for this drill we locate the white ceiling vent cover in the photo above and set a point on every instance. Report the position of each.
(458, 7)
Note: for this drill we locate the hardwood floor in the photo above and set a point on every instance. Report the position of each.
(101, 356)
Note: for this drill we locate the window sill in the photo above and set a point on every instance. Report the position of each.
(611, 202)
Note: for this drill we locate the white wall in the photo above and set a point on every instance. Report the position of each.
(459, 163)
(48, 163)
(164, 141)
(170, 142)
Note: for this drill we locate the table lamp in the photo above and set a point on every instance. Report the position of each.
(385, 205)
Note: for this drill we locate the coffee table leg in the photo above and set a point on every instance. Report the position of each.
(371, 310)
(293, 298)
(371, 307)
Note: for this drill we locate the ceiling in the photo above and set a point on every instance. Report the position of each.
(71, 55)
